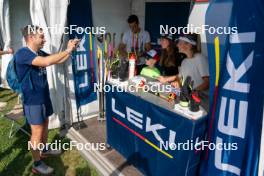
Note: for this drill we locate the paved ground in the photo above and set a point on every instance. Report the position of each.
(96, 132)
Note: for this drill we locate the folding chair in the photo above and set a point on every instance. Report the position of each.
(14, 116)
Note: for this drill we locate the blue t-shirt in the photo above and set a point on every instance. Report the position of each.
(39, 94)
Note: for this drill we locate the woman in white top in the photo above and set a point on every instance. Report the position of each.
(195, 65)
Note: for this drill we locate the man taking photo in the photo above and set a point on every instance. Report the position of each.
(36, 96)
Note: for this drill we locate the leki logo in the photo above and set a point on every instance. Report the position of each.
(137, 119)
(236, 108)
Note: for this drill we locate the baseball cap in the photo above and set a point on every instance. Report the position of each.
(152, 54)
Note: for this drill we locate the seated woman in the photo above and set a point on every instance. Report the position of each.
(170, 58)
(195, 65)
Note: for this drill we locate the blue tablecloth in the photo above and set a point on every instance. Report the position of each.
(135, 127)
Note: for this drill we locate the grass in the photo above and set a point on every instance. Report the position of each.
(15, 159)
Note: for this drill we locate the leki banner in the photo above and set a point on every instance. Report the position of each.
(236, 86)
(84, 58)
(84, 70)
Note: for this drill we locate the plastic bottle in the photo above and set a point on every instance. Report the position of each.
(132, 66)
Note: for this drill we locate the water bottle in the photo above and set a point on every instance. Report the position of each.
(132, 65)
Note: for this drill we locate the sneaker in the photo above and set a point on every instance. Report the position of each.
(43, 169)
(50, 153)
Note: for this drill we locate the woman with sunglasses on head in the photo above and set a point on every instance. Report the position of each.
(195, 65)
(170, 58)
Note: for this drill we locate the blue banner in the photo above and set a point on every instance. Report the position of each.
(137, 131)
(84, 71)
(84, 59)
(236, 86)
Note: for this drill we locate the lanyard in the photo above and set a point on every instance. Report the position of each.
(135, 45)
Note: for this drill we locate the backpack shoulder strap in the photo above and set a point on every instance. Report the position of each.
(27, 75)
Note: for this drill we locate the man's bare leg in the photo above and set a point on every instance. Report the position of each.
(45, 131)
(36, 139)
(48, 151)
(39, 167)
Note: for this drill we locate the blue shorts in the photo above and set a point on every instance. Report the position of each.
(37, 114)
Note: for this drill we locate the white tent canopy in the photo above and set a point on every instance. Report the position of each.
(17, 14)
(5, 33)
